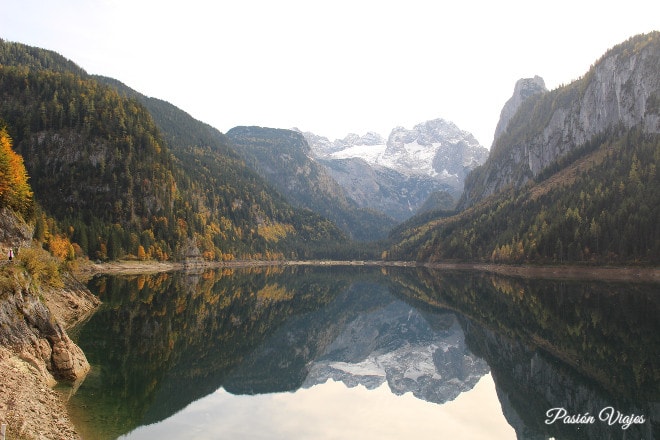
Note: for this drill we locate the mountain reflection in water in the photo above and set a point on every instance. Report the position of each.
(180, 344)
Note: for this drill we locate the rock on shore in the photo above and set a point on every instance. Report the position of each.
(36, 352)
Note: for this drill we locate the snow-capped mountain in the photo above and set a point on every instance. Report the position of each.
(399, 174)
(436, 148)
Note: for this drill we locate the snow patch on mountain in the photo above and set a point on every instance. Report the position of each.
(369, 153)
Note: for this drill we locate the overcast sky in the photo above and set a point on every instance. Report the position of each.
(331, 67)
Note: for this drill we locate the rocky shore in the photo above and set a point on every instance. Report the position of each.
(29, 407)
(36, 353)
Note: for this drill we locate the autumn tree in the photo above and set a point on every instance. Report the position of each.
(15, 192)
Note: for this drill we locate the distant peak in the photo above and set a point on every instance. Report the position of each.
(370, 138)
(524, 88)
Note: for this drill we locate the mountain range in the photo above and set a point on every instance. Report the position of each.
(119, 174)
(284, 159)
(571, 174)
(123, 174)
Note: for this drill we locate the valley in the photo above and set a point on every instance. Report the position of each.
(98, 178)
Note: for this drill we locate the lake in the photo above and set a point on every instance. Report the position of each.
(368, 352)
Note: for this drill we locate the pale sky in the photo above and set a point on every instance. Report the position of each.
(331, 67)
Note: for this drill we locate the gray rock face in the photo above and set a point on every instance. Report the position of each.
(28, 327)
(523, 89)
(437, 148)
(621, 91)
(383, 189)
(618, 91)
(14, 232)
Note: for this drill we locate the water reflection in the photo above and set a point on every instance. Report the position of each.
(161, 342)
(575, 345)
(365, 336)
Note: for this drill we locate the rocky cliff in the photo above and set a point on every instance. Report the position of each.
(36, 351)
(621, 91)
(36, 305)
(31, 330)
(30, 288)
(524, 88)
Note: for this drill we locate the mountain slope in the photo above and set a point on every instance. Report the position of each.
(193, 143)
(179, 129)
(88, 151)
(100, 164)
(283, 157)
(208, 159)
(620, 90)
(565, 183)
(383, 189)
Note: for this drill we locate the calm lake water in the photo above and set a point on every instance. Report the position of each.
(370, 353)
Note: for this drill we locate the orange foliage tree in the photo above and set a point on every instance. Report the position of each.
(61, 247)
(15, 192)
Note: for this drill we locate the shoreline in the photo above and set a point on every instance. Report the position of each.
(41, 358)
(594, 273)
(568, 272)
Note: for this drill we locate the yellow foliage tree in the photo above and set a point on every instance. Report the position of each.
(275, 232)
(61, 247)
(15, 192)
(141, 254)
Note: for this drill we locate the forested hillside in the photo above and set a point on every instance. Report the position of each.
(208, 160)
(102, 168)
(570, 181)
(603, 207)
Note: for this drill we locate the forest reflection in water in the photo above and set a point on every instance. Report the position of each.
(163, 345)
